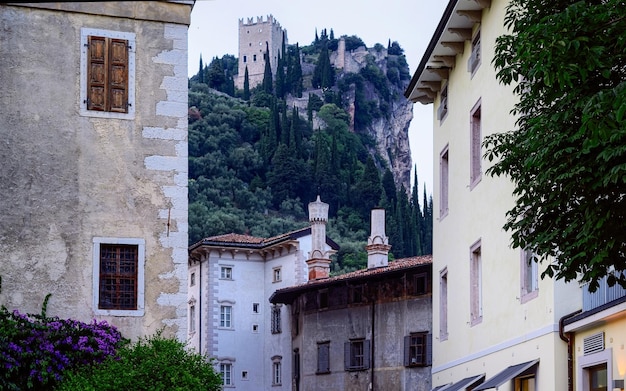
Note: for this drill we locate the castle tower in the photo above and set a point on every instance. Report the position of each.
(377, 244)
(253, 37)
(319, 258)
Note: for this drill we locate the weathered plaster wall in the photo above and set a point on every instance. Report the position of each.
(67, 178)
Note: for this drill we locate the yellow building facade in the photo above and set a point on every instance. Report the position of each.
(495, 321)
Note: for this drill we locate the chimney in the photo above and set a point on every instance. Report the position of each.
(319, 257)
(377, 244)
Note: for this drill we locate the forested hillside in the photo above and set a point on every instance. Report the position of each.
(258, 156)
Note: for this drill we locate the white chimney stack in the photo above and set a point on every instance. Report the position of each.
(377, 244)
(319, 258)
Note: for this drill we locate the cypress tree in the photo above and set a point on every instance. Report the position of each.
(246, 85)
(268, 83)
(201, 71)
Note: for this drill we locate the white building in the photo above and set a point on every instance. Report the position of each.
(231, 278)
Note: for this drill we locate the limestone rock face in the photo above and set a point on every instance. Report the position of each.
(390, 129)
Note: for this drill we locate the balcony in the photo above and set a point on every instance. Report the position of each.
(603, 295)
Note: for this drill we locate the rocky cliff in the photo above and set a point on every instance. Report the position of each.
(389, 128)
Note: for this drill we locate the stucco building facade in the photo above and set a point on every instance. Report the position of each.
(495, 321)
(94, 161)
(365, 330)
(231, 319)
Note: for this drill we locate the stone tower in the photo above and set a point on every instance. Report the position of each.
(253, 39)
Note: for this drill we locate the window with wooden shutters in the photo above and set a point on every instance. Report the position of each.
(323, 357)
(357, 355)
(418, 349)
(107, 73)
(118, 276)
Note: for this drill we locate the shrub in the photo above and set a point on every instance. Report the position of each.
(153, 363)
(35, 350)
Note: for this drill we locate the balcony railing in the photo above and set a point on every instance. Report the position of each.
(603, 295)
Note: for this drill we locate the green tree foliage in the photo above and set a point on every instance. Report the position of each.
(153, 363)
(268, 83)
(255, 164)
(246, 85)
(567, 157)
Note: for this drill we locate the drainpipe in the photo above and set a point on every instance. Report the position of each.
(570, 346)
(372, 366)
(200, 309)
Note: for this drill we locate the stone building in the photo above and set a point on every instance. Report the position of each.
(254, 39)
(231, 278)
(365, 330)
(94, 161)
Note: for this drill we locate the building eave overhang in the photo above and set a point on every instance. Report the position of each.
(597, 316)
(289, 294)
(448, 40)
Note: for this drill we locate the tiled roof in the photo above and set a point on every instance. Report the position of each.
(398, 264)
(393, 266)
(240, 240)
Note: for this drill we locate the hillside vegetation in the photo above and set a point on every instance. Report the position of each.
(256, 159)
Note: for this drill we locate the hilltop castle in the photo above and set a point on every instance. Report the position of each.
(253, 37)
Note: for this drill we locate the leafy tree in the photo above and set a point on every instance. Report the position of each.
(567, 157)
(153, 363)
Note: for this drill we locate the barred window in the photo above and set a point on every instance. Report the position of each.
(276, 324)
(118, 277)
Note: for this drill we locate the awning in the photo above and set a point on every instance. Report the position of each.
(463, 384)
(507, 375)
(440, 388)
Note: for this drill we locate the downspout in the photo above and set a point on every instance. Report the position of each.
(200, 309)
(570, 346)
(372, 366)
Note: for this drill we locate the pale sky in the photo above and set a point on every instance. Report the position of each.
(214, 32)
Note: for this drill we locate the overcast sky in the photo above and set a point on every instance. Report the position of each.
(214, 32)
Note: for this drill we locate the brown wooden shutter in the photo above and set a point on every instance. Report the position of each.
(97, 73)
(118, 76)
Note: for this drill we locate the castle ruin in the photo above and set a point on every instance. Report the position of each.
(253, 39)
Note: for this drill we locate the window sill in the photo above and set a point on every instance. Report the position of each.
(474, 182)
(323, 373)
(529, 296)
(121, 313)
(476, 321)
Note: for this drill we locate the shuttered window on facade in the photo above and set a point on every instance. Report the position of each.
(107, 74)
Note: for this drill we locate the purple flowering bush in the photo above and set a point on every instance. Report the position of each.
(36, 350)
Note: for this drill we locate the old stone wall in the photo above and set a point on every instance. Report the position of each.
(69, 178)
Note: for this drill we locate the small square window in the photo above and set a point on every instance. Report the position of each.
(255, 328)
(420, 284)
(277, 275)
(357, 355)
(356, 294)
(192, 279)
(244, 375)
(442, 110)
(323, 298)
(417, 349)
(255, 308)
(226, 273)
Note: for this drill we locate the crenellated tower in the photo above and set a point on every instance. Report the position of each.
(253, 37)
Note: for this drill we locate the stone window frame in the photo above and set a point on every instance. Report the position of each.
(85, 33)
(141, 258)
